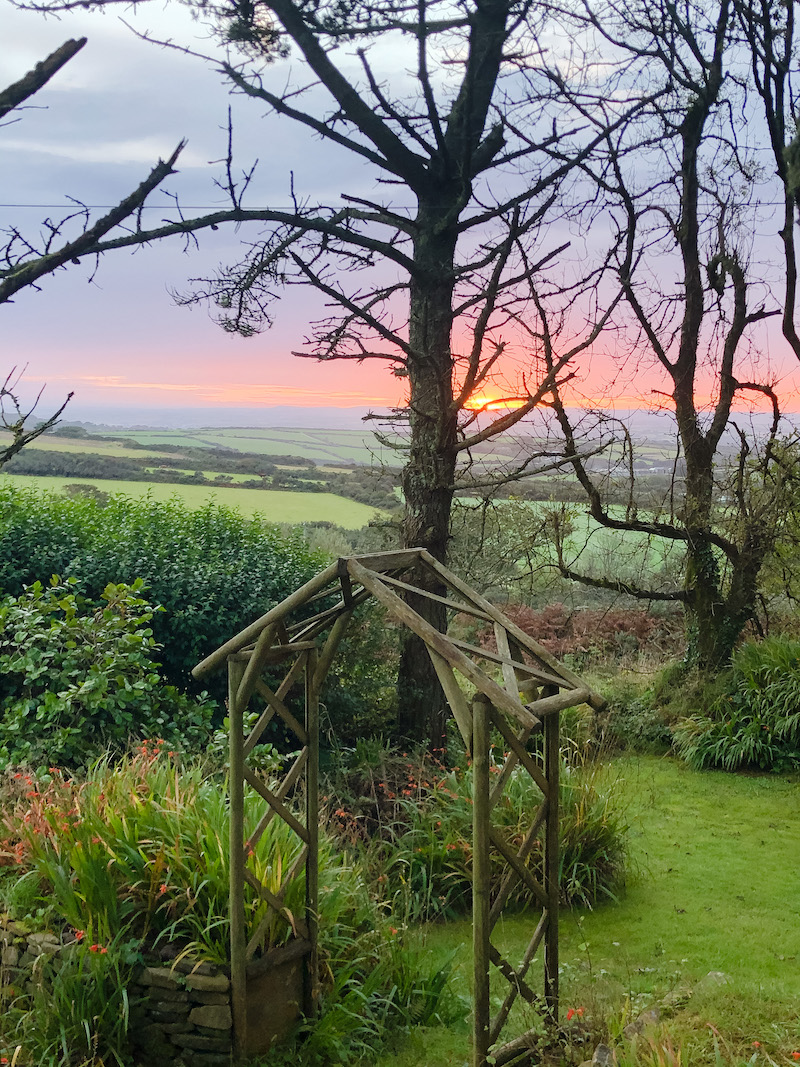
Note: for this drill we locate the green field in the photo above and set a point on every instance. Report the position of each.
(79, 446)
(274, 505)
(326, 445)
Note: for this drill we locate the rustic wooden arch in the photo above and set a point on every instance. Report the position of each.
(302, 634)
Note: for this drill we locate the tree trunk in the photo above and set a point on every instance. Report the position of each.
(429, 473)
(715, 621)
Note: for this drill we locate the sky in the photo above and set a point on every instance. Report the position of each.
(117, 338)
(94, 133)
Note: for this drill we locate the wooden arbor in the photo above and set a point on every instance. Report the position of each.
(301, 635)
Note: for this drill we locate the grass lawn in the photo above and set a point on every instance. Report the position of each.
(274, 504)
(714, 886)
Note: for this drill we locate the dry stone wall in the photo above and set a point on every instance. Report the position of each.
(180, 1015)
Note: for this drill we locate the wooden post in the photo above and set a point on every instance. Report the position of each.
(312, 827)
(551, 853)
(236, 845)
(481, 880)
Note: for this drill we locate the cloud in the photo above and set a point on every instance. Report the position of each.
(146, 150)
(248, 393)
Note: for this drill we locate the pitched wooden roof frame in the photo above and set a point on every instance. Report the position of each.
(535, 689)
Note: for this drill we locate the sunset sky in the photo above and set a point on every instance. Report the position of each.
(94, 133)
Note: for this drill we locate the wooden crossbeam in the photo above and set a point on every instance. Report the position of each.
(282, 710)
(511, 670)
(322, 616)
(512, 859)
(510, 879)
(347, 590)
(381, 562)
(518, 982)
(553, 702)
(509, 765)
(405, 615)
(453, 605)
(513, 1051)
(514, 979)
(266, 716)
(525, 640)
(280, 611)
(329, 650)
(455, 697)
(277, 806)
(275, 653)
(254, 666)
(533, 671)
(308, 629)
(281, 793)
(522, 754)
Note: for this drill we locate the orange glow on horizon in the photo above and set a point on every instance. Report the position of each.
(491, 403)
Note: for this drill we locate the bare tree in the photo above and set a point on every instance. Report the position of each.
(682, 194)
(427, 275)
(16, 418)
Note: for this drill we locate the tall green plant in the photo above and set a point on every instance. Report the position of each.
(140, 847)
(76, 1013)
(410, 818)
(757, 722)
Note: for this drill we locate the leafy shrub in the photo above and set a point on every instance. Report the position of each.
(76, 677)
(212, 570)
(410, 818)
(756, 723)
(634, 718)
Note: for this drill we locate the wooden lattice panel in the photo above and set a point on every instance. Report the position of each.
(304, 632)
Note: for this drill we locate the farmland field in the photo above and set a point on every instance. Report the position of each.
(274, 505)
(325, 445)
(79, 446)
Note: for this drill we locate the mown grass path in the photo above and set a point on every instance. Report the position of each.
(714, 886)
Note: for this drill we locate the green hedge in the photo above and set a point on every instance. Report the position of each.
(213, 570)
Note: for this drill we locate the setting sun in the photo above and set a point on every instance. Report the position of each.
(492, 403)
